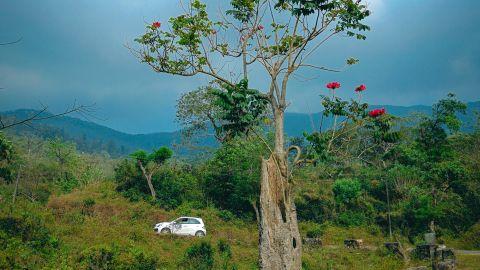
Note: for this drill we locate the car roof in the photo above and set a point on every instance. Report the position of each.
(191, 217)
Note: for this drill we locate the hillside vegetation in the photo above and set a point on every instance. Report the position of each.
(62, 209)
(95, 226)
(95, 138)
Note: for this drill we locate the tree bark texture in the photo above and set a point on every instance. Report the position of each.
(280, 243)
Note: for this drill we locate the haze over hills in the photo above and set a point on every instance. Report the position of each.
(96, 138)
(296, 123)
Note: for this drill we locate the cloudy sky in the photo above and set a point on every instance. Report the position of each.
(417, 52)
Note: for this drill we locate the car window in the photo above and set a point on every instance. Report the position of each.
(193, 221)
(182, 221)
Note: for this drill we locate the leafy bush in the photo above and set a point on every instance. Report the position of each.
(173, 185)
(112, 257)
(351, 218)
(99, 257)
(346, 191)
(68, 183)
(136, 259)
(87, 203)
(315, 208)
(224, 248)
(199, 257)
(472, 237)
(231, 177)
(316, 232)
(225, 215)
(225, 253)
(87, 206)
(26, 242)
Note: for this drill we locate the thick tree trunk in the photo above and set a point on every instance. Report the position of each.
(280, 243)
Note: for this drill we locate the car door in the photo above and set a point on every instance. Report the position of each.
(192, 226)
(181, 226)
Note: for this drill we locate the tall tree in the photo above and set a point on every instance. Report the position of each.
(150, 163)
(278, 36)
(65, 155)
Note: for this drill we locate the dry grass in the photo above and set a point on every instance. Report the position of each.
(113, 220)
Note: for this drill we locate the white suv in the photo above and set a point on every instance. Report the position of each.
(182, 226)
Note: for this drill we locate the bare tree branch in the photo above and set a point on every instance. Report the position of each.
(83, 110)
(11, 42)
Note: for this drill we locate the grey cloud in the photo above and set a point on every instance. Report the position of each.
(416, 52)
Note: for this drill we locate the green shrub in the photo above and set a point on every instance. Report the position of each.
(87, 206)
(225, 253)
(133, 195)
(231, 177)
(31, 230)
(225, 215)
(136, 259)
(87, 203)
(112, 257)
(351, 218)
(174, 185)
(99, 257)
(26, 242)
(68, 183)
(314, 208)
(199, 257)
(224, 248)
(472, 237)
(346, 191)
(316, 232)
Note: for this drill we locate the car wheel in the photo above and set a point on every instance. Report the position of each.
(166, 231)
(200, 234)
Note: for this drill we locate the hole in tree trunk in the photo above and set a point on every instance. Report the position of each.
(294, 242)
(283, 211)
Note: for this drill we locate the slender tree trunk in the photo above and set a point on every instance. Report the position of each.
(257, 213)
(280, 242)
(15, 191)
(150, 186)
(333, 132)
(148, 176)
(388, 209)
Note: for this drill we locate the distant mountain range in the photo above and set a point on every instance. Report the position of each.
(90, 137)
(296, 123)
(95, 138)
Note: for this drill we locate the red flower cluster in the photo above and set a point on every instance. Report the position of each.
(156, 25)
(260, 27)
(360, 88)
(333, 85)
(376, 113)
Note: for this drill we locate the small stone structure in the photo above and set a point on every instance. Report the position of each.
(313, 242)
(442, 258)
(394, 248)
(424, 251)
(353, 243)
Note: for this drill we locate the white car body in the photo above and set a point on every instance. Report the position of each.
(182, 226)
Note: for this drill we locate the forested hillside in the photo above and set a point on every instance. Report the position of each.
(64, 209)
(95, 138)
